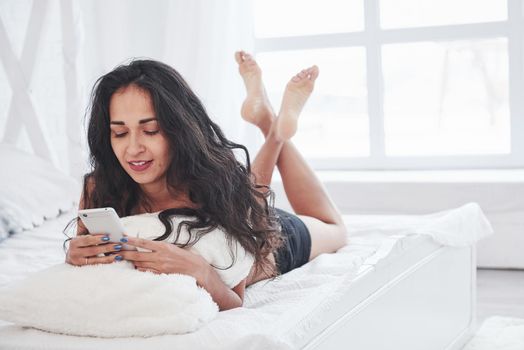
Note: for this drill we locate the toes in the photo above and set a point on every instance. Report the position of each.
(238, 56)
(299, 76)
(310, 73)
(313, 73)
(243, 57)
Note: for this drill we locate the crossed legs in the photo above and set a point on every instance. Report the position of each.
(305, 192)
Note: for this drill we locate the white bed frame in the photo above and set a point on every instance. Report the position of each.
(421, 298)
(428, 305)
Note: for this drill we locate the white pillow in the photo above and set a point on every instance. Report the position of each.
(107, 300)
(32, 189)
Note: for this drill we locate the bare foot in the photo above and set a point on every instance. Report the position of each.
(295, 96)
(256, 108)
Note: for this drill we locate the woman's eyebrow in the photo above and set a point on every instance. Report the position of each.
(141, 121)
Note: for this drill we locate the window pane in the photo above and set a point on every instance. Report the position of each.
(419, 13)
(334, 122)
(274, 18)
(446, 98)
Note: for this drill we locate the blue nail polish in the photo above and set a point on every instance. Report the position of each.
(118, 247)
(118, 258)
(123, 240)
(105, 238)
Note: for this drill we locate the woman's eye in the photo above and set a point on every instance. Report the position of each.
(122, 134)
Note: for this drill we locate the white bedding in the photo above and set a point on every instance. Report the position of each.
(276, 313)
(107, 300)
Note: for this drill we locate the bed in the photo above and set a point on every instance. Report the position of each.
(401, 282)
(393, 286)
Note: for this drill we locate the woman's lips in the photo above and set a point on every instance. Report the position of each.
(141, 167)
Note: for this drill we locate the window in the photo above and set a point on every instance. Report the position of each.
(404, 84)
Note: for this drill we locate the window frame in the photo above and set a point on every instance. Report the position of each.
(372, 37)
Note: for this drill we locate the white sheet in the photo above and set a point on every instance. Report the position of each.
(275, 313)
(456, 227)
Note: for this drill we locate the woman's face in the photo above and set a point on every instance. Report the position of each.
(137, 141)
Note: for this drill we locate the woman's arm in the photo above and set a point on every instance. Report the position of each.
(225, 297)
(168, 258)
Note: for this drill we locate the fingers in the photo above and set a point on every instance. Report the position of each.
(148, 270)
(101, 259)
(92, 260)
(100, 249)
(89, 240)
(143, 243)
(137, 256)
(145, 265)
(90, 246)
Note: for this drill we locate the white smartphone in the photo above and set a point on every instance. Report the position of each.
(104, 220)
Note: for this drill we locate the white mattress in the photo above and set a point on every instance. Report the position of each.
(280, 314)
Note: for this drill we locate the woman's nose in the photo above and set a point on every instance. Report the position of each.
(135, 145)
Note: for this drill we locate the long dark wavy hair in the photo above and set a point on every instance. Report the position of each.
(203, 165)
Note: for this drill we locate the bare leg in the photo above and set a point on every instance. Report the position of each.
(306, 194)
(257, 110)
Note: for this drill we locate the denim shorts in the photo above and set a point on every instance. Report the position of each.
(296, 248)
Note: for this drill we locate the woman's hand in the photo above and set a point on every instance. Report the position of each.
(84, 250)
(166, 258)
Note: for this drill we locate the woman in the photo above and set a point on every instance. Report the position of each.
(154, 148)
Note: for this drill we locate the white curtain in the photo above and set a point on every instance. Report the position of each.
(75, 42)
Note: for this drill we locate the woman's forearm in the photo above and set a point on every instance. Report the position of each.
(222, 295)
(168, 258)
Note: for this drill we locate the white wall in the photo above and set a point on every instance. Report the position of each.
(500, 194)
(69, 44)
